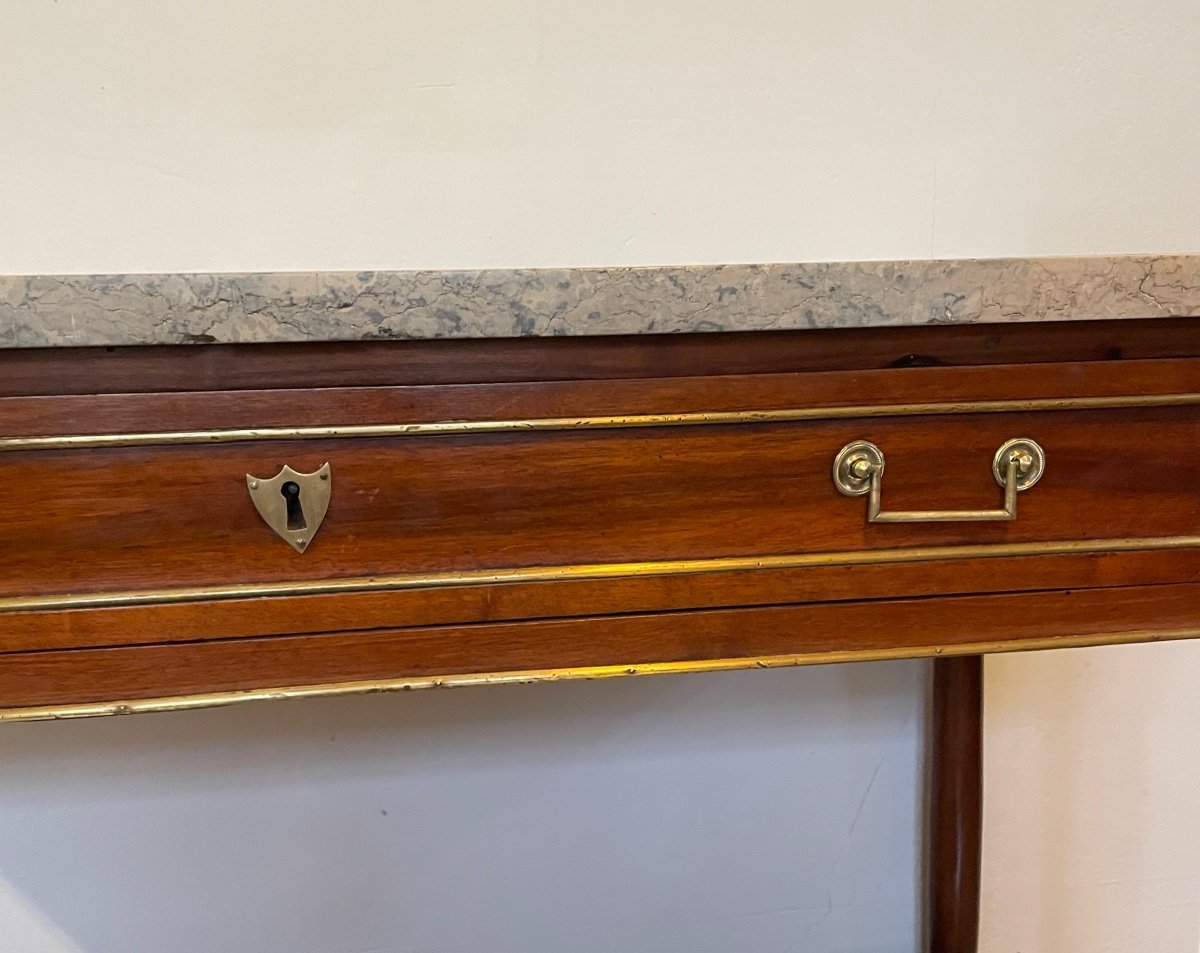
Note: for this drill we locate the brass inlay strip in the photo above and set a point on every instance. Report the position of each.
(458, 427)
(411, 683)
(586, 572)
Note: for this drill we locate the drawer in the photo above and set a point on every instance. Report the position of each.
(469, 503)
(70, 683)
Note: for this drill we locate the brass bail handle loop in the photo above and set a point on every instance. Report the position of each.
(858, 471)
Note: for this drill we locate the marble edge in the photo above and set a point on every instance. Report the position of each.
(118, 310)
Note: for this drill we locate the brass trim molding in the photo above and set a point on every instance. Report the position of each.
(413, 683)
(621, 422)
(586, 572)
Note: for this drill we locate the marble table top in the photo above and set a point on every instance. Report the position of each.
(96, 310)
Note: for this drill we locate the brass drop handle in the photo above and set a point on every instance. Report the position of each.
(858, 471)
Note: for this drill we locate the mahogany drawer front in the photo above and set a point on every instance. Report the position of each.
(156, 517)
(118, 680)
(680, 494)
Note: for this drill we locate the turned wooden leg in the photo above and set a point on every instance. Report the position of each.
(956, 805)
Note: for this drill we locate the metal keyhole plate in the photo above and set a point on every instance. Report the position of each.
(293, 504)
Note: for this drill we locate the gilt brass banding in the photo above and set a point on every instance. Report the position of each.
(585, 572)
(463, 427)
(526, 677)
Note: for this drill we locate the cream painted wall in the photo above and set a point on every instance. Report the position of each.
(142, 134)
(1091, 828)
(732, 812)
(672, 815)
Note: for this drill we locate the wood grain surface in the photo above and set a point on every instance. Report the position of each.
(901, 627)
(179, 516)
(255, 366)
(956, 805)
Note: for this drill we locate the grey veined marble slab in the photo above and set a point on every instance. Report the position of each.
(38, 311)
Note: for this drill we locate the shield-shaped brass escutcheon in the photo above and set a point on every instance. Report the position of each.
(293, 504)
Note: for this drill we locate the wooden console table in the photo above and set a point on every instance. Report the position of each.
(194, 526)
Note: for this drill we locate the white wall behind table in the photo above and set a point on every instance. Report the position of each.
(698, 814)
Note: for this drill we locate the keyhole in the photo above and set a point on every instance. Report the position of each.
(295, 512)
